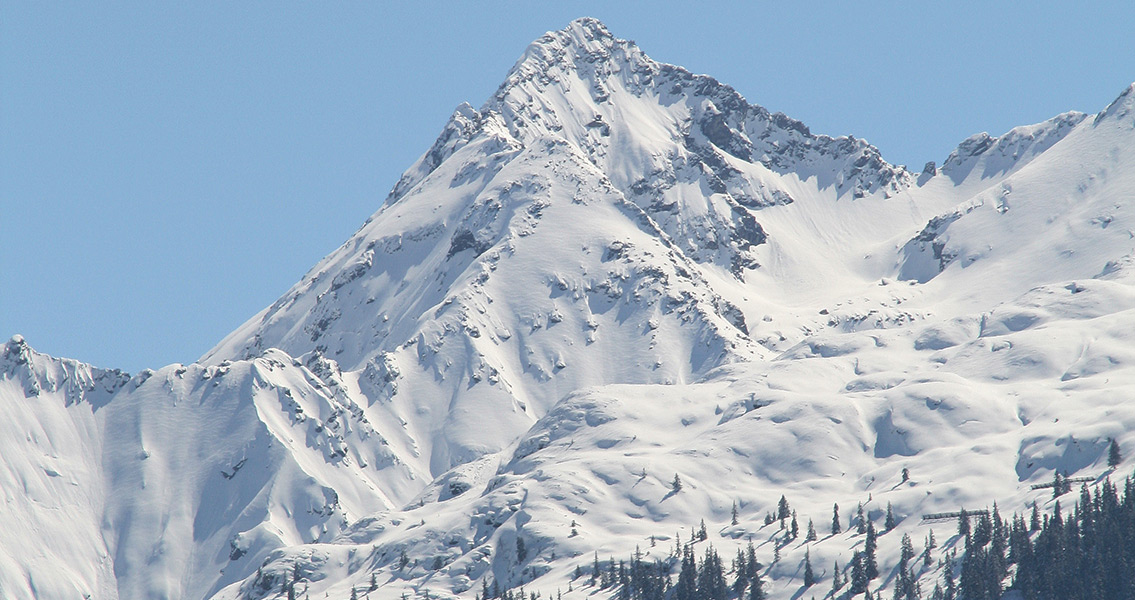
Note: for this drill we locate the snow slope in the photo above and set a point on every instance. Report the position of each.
(613, 272)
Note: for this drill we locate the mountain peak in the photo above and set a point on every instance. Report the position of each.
(1119, 107)
(589, 28)
(585, 46)
(587, 36)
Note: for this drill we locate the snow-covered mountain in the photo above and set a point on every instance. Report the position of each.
(612, 273)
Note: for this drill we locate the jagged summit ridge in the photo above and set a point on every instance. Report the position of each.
(1014, 149)
(576, 81)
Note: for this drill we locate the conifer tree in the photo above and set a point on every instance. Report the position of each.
(889, 523)
(794, 530)
(752, 567)
(811, 535)
(809, 576)
(676, 485)
(782, 509)
(963, 523)
(837, 580)
(835, 519)
(907, 552)
(711, 577)
(687, 587)
(757, 589)
(1114, 457)
(858, 575)
(861, 521)
(742, 580)
(870, 564)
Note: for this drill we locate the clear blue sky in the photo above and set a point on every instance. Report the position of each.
(167, 171)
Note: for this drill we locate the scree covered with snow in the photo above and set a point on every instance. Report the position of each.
(613, 273)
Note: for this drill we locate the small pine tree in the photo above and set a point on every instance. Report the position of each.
(1057, 484)
(521, 550)
(858, 575)
(889, 523)
(676, 485)
(373, 583)
(686, 588)
(837, 580)
(809, 576)
(905, 474)
(782, 509)
(757, 588)
(907, 552)
(870, 564)
(735, 520)
(354, 594)
(1114, 457)
(811, 535)
(963, 523)
(835, 520)
(703, 535)
(860, 520)
(794, 531)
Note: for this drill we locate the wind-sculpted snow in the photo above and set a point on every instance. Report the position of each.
(978, 420)
(179, 481)
(614, 275)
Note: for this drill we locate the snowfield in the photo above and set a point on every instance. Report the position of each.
(613, 273)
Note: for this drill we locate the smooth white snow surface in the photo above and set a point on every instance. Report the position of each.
(615, 271)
